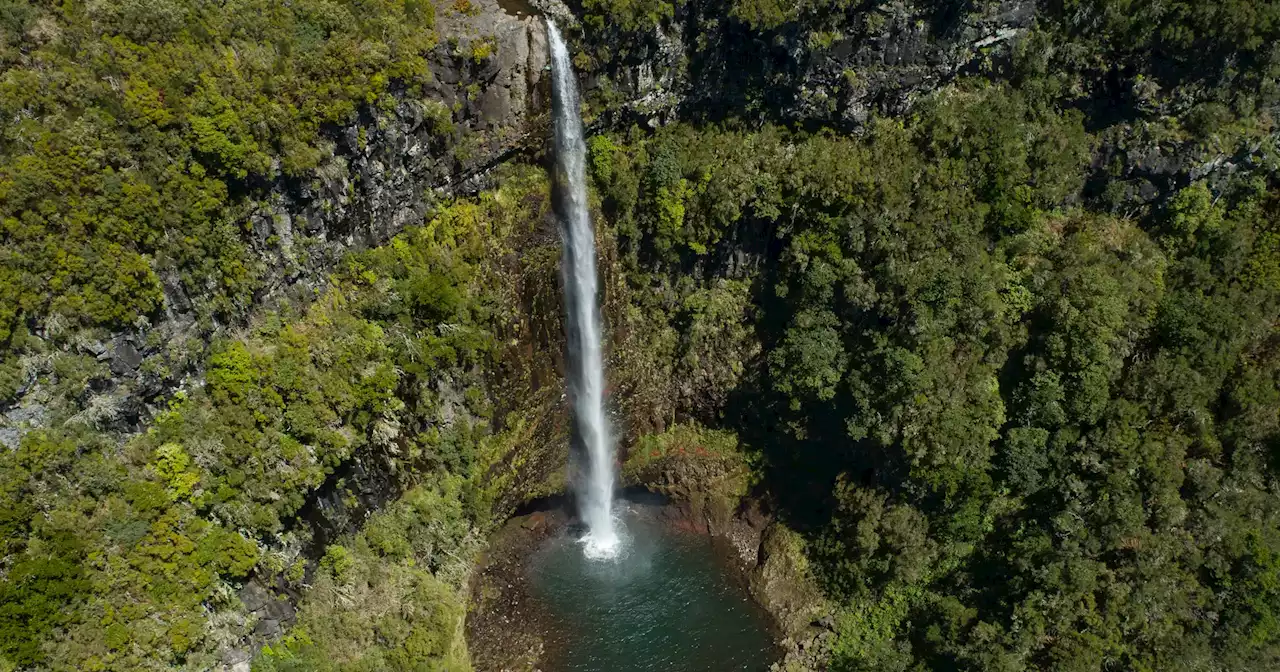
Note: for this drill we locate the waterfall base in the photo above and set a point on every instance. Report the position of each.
(669, 598)
(605, 545)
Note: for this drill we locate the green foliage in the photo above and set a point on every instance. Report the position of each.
(337, 562)
(686, 441)
(1181, 26)
(1006, 423)
(140, 120)
(718, 344)
(126, 554)
(481, 50)
(602, 151)
(810, 361)
(173, 466)
(1015, 429)
(37, 593)
(628, 15)
(764, 15)
(1213, 65)
(1192, 212)
(871, 543)
(97, 559)
(281, 405)
(393, 598)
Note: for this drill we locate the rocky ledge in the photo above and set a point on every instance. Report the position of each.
(509, 629)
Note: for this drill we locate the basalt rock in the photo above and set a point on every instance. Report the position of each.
(380, 173)
(707, 493)
(880, 59)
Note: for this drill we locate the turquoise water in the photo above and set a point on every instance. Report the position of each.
(667, 603)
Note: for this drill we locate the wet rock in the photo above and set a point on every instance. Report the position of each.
(506, 628)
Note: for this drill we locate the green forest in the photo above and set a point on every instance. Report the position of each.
(1016, 390)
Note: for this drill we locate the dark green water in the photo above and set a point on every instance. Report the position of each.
(667, 603)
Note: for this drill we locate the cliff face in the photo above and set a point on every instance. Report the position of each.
(486, 104)
(830, 71)
(379, 173)
(384, 170)
(487, 99)
(837, 69)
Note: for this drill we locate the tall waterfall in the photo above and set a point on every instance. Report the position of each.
(593, 481)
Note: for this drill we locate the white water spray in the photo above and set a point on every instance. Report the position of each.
(594, 482)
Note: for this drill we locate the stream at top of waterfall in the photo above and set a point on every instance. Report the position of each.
(670, 600)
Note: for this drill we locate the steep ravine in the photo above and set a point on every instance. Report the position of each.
(387, 169)
(391, 168)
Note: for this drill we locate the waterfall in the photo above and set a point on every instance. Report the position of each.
(593, 480)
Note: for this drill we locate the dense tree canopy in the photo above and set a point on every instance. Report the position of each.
(1020, 432)
(1019, 419)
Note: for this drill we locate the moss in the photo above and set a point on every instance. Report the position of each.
(784, 582)
(683, 440)
(703, 468)
(481, 50)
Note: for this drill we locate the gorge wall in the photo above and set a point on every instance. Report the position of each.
(327, 360)
(487, 99)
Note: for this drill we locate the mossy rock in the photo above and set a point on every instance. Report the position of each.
(783, 582)
(689, 463)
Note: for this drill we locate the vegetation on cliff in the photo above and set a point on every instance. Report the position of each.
(124, 556)
(1021, 413)
(1021, 422)
(134, 128)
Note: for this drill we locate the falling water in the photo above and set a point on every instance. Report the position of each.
(594, 481)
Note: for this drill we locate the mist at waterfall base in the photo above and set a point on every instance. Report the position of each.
(667, 602)
(593, 478)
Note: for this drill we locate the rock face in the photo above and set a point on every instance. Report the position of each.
(708, 494)
(498, 50)
(878, 59)
(381, 173)
(904, 50)
(882, 59)
(782, 582)
(484, 103)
